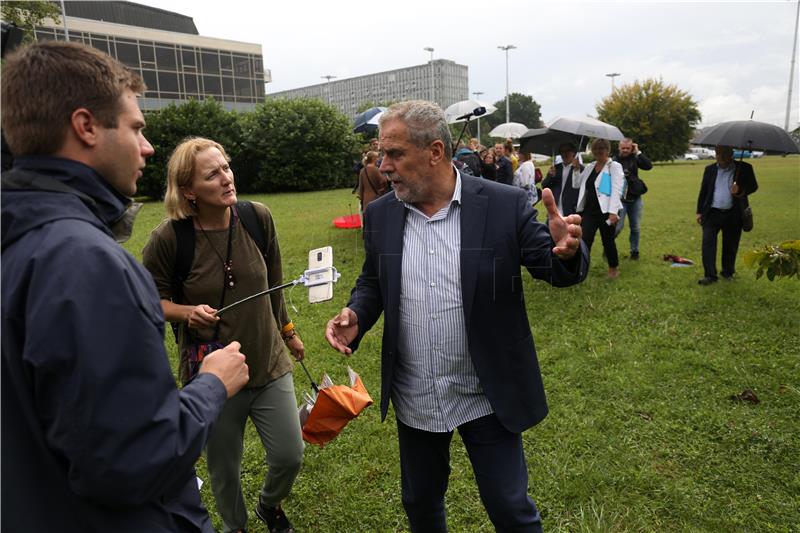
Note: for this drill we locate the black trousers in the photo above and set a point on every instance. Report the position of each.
(729, 221)
(498, 462)
(590, 223)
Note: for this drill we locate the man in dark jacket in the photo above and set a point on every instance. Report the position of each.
(457, 349)
(505, 169)
(723, 196)
(632, 160)
(96, 437)
(559, 179)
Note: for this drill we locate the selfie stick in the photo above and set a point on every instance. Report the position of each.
(310, 278)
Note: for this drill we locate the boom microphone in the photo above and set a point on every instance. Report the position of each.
(478, 111)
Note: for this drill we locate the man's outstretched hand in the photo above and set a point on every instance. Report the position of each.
(342, 330)
(566, 231)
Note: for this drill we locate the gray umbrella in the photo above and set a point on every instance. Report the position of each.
(546, 141)
(587, 127)
(750, 135)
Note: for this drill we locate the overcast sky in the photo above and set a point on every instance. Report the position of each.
(731, 57)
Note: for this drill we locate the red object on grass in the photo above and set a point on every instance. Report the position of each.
(348, 222)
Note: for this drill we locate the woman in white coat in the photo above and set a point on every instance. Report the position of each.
(599, 201)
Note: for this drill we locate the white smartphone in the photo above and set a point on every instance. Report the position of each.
(321, 258)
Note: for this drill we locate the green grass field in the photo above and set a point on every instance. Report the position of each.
(642, 434)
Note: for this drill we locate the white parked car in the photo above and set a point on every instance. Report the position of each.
(691, 157)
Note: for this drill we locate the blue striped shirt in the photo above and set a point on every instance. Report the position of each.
(435, 386)
(723, 199)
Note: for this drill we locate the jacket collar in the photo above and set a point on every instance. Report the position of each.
(112, 208)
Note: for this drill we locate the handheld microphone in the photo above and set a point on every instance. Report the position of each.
(478, 111)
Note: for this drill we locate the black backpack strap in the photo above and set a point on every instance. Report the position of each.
(184, 256)
(253, 225)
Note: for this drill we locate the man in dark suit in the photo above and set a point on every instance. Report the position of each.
(723, 196)
(505, 169)
(443, 260)
(559, 179)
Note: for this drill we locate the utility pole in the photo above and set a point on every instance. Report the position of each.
(328, 85)
(64, 20)
(791, 69)
(478, 97)
(433, 89)
(507, 48)
(612, 76)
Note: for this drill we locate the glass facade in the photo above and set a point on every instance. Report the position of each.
(177, 71)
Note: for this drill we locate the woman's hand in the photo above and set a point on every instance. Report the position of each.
(296, 347)
(613, 219)
(202, 316)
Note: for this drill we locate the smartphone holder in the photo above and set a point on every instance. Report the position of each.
(310, 278)
(318, 276)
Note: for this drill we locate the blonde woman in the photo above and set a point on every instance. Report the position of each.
(227, 266)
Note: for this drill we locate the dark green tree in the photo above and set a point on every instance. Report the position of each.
(523, 109)
(28, 14)
(298, 145)
(167, 127)
(659, 117)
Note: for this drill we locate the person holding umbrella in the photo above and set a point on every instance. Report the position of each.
(600, 188)
(559, 179)
(723, 197)
(228, 264)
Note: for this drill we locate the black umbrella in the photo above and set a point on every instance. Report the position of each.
(368, 120)
(748, 135)
(546, 141)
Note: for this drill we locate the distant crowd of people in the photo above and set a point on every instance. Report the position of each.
(95, 434)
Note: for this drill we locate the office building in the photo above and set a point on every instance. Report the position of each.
(166, 49)
(441, 80)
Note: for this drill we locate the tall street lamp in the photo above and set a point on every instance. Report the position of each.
(613, 75)
(433, 90)
(478, 97)
(507, 48)
(328, 85)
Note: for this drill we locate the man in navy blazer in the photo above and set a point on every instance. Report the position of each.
(443, 263)
(723, 196)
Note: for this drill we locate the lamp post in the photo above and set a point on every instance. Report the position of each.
(613, 75)
(328, 85)
(64, 19)
(507, 48)
(791, 69)
(477, 97)
(433, 90)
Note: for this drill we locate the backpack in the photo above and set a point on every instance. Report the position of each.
(472, 161)
(185, 237)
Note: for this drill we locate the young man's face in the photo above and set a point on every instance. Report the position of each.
(120, 153)
(499, 150)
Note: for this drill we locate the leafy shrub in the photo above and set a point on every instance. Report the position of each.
(777, 260)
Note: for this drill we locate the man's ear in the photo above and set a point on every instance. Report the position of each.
(84, 126)
(437, 152)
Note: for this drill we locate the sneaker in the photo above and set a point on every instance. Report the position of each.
(635, 256)
(706, 281)
(613, 272)
(275, 519)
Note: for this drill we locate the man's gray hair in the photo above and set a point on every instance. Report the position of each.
(425, 122)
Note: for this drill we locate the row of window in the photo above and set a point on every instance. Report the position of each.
(177, 71)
